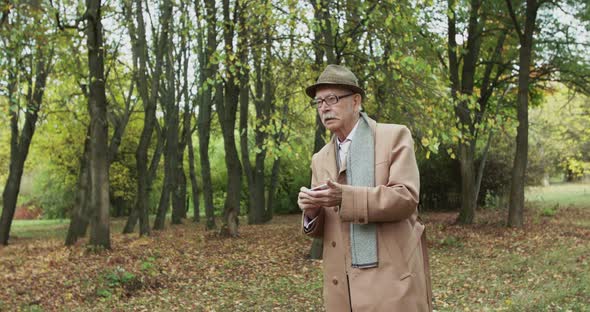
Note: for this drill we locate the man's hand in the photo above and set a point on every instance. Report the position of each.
(306, 203)
(310, 201)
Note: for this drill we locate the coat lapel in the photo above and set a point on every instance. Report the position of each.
(329, 160)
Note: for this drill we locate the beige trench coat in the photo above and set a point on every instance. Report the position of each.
(401, 282)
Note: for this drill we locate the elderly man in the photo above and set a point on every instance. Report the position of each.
(363, 202)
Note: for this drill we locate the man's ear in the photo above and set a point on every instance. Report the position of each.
(358, 100)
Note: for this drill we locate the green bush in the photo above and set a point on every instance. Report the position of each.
(55, 192)
(550, 211)
(495, 181)
(291, 179)
(116, 281)
(439, 182)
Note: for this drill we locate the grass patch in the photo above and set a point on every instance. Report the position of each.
(564, 195)
(40, 228)
(559, 280)
(53, 229)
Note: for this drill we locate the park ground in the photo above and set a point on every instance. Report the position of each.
(544, 266)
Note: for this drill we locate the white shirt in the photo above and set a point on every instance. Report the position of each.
(345, 145)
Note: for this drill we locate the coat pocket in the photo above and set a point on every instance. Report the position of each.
(413, 242)
(391, 254)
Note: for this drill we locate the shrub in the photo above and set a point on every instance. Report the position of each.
(439, 182)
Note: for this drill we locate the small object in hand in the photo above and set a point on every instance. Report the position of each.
(319, 187)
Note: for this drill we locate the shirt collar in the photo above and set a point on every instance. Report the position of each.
(349, 137)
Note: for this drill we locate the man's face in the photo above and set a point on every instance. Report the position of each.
(340, 117)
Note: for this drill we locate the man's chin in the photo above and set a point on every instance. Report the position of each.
(330, 124)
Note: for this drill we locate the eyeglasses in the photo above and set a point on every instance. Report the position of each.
(330, 100)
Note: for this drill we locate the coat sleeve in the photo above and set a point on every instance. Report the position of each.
(317, 228)
(395, 201)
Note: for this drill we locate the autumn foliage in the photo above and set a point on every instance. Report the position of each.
(540, 267)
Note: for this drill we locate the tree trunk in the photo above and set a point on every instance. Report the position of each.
(231, 207)
(204, 118)
(131, 220)
(120, 125)
(467, 213)
(164, 202)
(479, 176)
(19, 145)
(179, 199)
(193, 177)
(484, 155)
(97, 104)
(255, 174)
(149, 178)
(272, 189)
(317, 245)
(248, 173)
(330, 44)
(171, 128)
(464, 86)
(9, 197)
(148, 98)
(179, 203)
(227, 110)
(81, 215)
(516, 207)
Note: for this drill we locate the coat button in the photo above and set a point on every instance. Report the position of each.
(361, 220)
(335, 281)
(335, 208)
(333, 244)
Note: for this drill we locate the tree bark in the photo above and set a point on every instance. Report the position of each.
(254, 174)
(204, 117)
(149, 99)
(149, 178)
(227, 110)
(81, 215)
(253, 207)
(274, 175)
(463, 85)
(19, 145)
(193, 177)
(330, 44)
(170, 156)
(317, 245)
(171, 129)
(516, 206)
(97, 105)
(467, 213)
(179, 203)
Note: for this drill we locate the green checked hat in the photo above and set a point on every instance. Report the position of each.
(336, 75)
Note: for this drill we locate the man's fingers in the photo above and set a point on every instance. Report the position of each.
(308, 206)
(317, 194)
(331, 184)
(304, 195)
(306, 200)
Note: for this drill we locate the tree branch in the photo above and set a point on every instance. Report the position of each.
(515, 21)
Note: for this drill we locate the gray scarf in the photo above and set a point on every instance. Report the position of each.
(360, 171)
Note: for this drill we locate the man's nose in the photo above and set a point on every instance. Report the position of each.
(324, 107)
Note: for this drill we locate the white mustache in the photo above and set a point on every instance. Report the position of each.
(328, 115)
